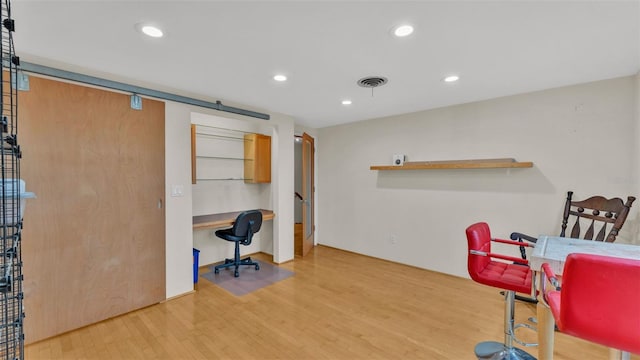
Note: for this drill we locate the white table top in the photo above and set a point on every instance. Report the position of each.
(554, 250)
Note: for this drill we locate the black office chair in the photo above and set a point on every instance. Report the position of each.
(246, 224)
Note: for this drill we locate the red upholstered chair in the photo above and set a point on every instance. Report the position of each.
(486, 268)
(599, 300)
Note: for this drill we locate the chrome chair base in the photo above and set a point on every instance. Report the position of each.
(492, 350)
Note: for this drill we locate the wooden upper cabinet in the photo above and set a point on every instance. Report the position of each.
(257, 158)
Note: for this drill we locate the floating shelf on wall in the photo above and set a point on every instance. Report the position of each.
(457, 164)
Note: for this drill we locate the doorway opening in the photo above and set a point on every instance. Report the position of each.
(304, 216)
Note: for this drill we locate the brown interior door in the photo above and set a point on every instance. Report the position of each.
(308, 189)
(94, 239)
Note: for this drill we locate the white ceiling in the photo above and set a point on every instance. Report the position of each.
(229, 50)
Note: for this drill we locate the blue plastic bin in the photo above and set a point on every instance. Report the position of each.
(196, 256)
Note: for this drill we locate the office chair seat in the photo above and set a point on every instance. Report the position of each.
(506, 276)
(227, 234)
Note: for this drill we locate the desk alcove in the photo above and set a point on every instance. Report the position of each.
(224, 187)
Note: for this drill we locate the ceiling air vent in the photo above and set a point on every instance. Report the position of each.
(372, 81)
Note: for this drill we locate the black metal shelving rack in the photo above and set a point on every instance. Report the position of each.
(11, 295)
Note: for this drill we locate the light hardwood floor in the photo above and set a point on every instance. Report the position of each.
(338, 305)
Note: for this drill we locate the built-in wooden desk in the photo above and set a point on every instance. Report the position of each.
(211, 221)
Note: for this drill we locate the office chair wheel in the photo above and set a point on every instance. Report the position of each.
(216, 271)
(236, 273)
(257, 267)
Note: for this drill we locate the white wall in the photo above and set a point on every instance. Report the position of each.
(637, 136)
(580, 138)
(228, 196)
(634, 218)
(178, 224)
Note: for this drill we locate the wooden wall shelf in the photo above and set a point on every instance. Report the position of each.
(457, 164)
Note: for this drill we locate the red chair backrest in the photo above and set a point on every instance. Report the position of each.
(600, 300)
(478, 238)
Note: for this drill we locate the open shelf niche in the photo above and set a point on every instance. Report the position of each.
(229, 154)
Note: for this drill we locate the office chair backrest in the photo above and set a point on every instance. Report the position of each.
(596, 213)
(247, 223)
(599, 300)
(478, 238)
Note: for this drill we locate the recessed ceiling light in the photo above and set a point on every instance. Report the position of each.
(152, 31)
(280, 77)
(403, 30)
(346, 102)
(452, 78)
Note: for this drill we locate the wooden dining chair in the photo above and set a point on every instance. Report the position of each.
(596, 218)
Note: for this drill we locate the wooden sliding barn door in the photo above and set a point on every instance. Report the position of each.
(94, 239)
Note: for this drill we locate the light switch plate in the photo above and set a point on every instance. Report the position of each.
(177, 190)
